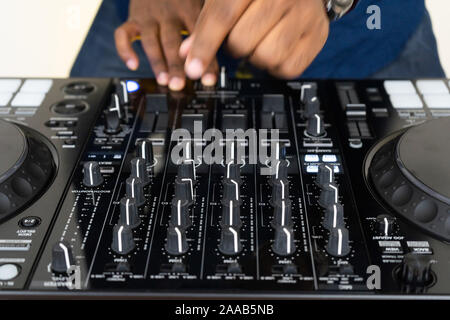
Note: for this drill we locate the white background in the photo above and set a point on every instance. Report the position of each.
(41, 38)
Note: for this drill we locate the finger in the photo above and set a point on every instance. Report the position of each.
(123, 38)
(171, 42)
(215, 22)
(209, 79)
(152, 47)
(186, 47)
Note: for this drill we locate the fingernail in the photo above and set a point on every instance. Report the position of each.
(209, 80)
(194, 69)
(163, 79)
(176, 84)
(132, 64)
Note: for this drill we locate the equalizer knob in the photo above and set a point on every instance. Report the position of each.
(184, 190)
(385, 224)
(329, 195)
(129, 212)
(112, 122)
(62, 257)
(280, 191)
(280, 170)
(416, 270)
(180, 214)
(135, 189)
(284, 244)
(176, 241)
(231, 214)
(230, 243)
(144, 150)
(325, 176)
(315, 126)
(334, 217)
(312, 107)
(338, 242)
(308, 92)
(123, 240)
(231, 190)
(186, 170)
(233, 171)
(139, 170)
(282, 214)
(92, 177)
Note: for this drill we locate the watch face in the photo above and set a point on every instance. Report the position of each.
(338, 8)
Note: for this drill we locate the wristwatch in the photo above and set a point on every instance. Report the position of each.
(336, 9)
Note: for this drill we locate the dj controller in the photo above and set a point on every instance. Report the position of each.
(356, 203)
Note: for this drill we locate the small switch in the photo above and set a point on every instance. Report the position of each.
(312, 158)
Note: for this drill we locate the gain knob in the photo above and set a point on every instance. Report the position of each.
(280, 170)
(62, 257)
(184, 190)
(230, 243)
(123, 240)
(415, 270)
(231, 191)
(139, 170)
(129, 213)
(233, 171)
(312, 107)
(135, 189)
(329, 195)
(92, 177)
(282, 214)
(308, 92)
(325, 175)
(180, 214)
(186, 170)
(280, 191)
(284, 241)
(338, 243)
(112, 122)
(334, 217)
(144, 150)
(385, 224)
(315, 126)
(176, 241)
(231, 214)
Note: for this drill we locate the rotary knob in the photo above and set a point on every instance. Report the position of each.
(231, 214)
(329, 195)
(144, 150)
(92, 177)
(280, 191)
(282, 214)
(315, 126)
(308, 92)
(334, 217)
(176, 241)
(280, 170)
(184, 190)
(123, 240)
(284, 244)
(385, 224)
(139, 170)
(112, 122)
(312, 107)
(233, 171)
(180, 214)
(231, 191)
(230, 243)
(62, 257)
(135, 189)
(338, 242)
(325, 175)
(186, 170)
(416, 270)
(122, 93)
(129, 213)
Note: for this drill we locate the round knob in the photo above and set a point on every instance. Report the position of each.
(144, 150)
(284, 241)
(233, 171)
(334, 217)
(92, 175)
(231, 191)
(139, 170)
(329, 195)
(231, 214)
(338, 243)
(416, 270)
(312, 107)
(62, 257)
(282, 214)
(385, 224)
(112, 122)
(184, 190)
(180, 214)
(123, 240)
(315, 126)
(135, 190)
(280, 192)
(230, 243)
(176, 241)
(280, 170)
(325, 175)
(122, 93)
(129, 213)
(186, 170)
(308, 91)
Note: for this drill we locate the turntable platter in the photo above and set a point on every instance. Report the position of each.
(14, 149)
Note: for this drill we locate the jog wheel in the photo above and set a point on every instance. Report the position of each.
(27, 167)
(410, 172)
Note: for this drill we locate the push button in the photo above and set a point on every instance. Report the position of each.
(30, 222)
(9, 271)
(311, 158)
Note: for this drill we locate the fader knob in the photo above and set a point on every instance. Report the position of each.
(282, 214)
(231, 190)
(176, 241)
(338, 243)
(280, 192)
(334, 217)
(139, 170)
(92, 177)
(135, 190)
(123, 240)
(284, 241)
(231, 214)
(385, 224)
(416, 270)
(112, 122)
(62, 257)
(325, 175)
(312, 107)
(230, 243)
(144, 150)
(184, 190)
(329, 195)
(129, 212)
(315, 126)
(186, 170)
(180, 214)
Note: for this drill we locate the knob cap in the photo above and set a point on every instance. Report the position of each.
(92, 175)
(233, 171)
(312, 107)
(416, 270)
(184, 190)
(123, 241)
(329, 195)
(112, 122)
(280, 191)
(62, 257)
(334, 217)
(122, 93)
(144, 150)
(315, 126)
(231, 214)
(231, 191)
(129, 213)
(308, 91)
(280, 170)
(176, 241)
(135, 190)
(338, 243)
(282, 214)
(230, 243)
(186, 170)
(385, 224)
(325, 175)
(180, 214)
(139, 170)
(284, 241)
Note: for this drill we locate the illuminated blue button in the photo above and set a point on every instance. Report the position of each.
(312, 169)
(311, 158)
(132, 86)
(329, 158)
